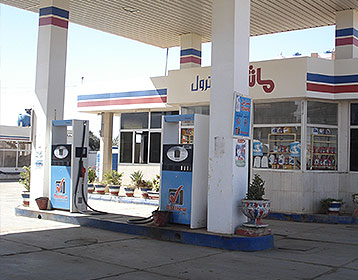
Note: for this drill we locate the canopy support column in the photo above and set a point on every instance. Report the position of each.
(229, 71)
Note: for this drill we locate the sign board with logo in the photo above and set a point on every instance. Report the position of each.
(189, 86)
(61, 187)
(176, 198)
(280, 78)
(242, 112)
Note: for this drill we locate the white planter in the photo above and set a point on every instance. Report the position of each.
(114, 190)
(255, 210)
(26, 198)
(100, 189)
(90, 188)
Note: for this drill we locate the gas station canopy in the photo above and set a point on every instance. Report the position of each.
(159, 23)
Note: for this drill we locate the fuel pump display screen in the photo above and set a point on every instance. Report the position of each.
(178, 157)
(61, 155)
(60, 152)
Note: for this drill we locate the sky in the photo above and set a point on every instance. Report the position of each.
(105, 59)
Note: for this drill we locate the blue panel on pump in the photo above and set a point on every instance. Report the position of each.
(175, 195)
(60, 187)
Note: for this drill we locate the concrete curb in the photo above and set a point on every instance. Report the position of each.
(313, 218)
(226, 242)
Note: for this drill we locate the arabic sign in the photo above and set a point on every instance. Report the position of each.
(189, 86)
(201, 84)
(255, 77)
(242, 116)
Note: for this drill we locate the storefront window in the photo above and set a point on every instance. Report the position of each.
(24, 158)
(322, 136)
(141, 147)
(155, 144)
(354, 138)
(322, 148)
(322, 113)
(354, 114)
(277, 147)
(204, 110)
(277, 135)
(15, 154)
(126, 147)
(8, 158)
(354, 150)
(134, 121)
(156, 118)
(140, 141)
(277, 113)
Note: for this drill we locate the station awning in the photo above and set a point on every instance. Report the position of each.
(159, 23)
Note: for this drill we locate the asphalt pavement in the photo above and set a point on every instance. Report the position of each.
(40, 249)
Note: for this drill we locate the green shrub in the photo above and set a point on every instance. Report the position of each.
(92, 175)
(136, 178)
(25, 177)
(156, 183)
(256, 189)
(113, 178)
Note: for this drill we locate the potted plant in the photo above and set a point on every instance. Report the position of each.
(331, 206)
(129, 190)
(254, 206)
(114, 180)
(145, 186)
(136, 178)
(91, 179)
(25, 181)
(355, 203)
(100, 187)
(154, 192)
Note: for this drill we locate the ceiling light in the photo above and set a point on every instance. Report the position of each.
(130, 10)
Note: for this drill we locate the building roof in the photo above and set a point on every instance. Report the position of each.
(159, 23)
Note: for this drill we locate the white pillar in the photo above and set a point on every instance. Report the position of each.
(229, 71)
(106, 143)
(49, 88)
(347, 34)
(190, 50)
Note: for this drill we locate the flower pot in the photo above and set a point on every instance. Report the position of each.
(42, 202)
(129, 192)
(160, 218)
(255, 210)
(334, 207)
(144, 192)
(100, 189)
(355, 204)
(114, 190)
(153, 195)
(25, 198)
(90, 188)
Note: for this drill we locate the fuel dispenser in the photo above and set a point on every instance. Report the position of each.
(184, 170)
(68, 189)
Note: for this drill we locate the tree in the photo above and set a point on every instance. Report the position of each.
(94, 142)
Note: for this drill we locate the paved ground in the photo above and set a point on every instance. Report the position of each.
(39, 249)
